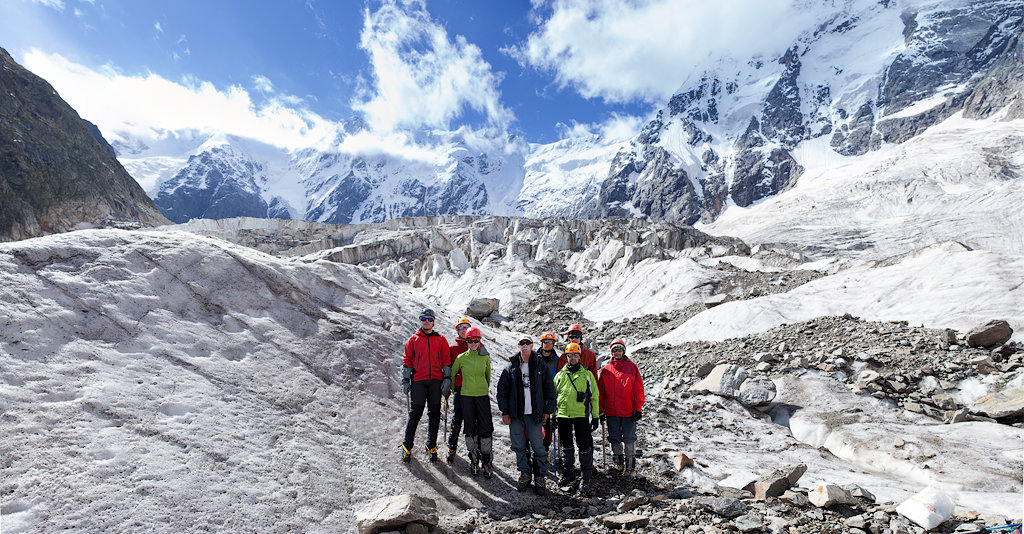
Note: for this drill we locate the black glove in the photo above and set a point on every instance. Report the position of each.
(637, 414)
(406, 379)
(446, 382)
(594, 423)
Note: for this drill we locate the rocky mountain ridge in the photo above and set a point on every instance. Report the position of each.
(56, 170)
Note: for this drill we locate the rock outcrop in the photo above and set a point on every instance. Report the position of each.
(56, 170)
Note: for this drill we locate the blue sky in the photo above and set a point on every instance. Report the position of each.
(543, 69)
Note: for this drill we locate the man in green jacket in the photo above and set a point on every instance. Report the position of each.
(576, 413)
(476, 404)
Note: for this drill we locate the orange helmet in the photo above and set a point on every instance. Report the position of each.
(572, 348)
(462, 321)
(546, 336)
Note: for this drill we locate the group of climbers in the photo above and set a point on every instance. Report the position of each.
(540, 394)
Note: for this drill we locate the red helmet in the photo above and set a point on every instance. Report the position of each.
(574, 328)
(618, 341)
(473, 333)
(572, 348)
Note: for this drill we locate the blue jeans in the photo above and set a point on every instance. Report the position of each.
(621, 429)
(519, 431)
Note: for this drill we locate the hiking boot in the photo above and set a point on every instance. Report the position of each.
(488, 470)
(432, 451)
(539, 486)
(586, 488)
(524, 482)
(630, 471)
(620, 464)
(451, 455)
(567, 479)
(406, 454)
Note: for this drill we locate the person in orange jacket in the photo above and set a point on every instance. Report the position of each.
(621, 395)
(588, 358)
(426, 371)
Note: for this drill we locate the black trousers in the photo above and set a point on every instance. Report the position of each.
(424, 393)
(581, 428)
(477, 412)
(453, 431)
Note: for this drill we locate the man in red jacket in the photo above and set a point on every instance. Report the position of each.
(588, 358)
(621, 397)
(426, 364)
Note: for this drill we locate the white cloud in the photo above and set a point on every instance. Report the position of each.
(645, 49)
(55, 4)
(617, 127)
(149, 106)
(158, 27)
(420, 76)
(263, 84)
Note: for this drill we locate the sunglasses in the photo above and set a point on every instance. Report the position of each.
(462, 327)
(573, 355)
(474, 340)
(525, 343)
(618, 350)
(575, 336)
(547, 341)
(425, 319)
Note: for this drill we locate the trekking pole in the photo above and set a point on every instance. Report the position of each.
(554, 442)
(604, 453)
(446, 419)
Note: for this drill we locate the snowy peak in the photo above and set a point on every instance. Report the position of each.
(864, 75)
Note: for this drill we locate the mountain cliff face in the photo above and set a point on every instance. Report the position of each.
(56, 170)
(866, 75)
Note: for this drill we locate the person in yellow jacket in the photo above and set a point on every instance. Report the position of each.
(576, 412)
(476, 404)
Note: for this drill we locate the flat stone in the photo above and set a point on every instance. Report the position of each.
(632, 501)
(859, 492)
(396, 511)
(826, 495)
(795, 498)
(626, 521)
(748, 523)
(856, 521)
(1005, 403)
(723, 506)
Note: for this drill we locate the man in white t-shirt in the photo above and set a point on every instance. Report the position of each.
(526, 398)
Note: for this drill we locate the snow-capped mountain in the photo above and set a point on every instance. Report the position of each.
(863, 76)
(868, 74)
(223, 176)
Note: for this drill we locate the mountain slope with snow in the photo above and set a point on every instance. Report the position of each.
(862, 77)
